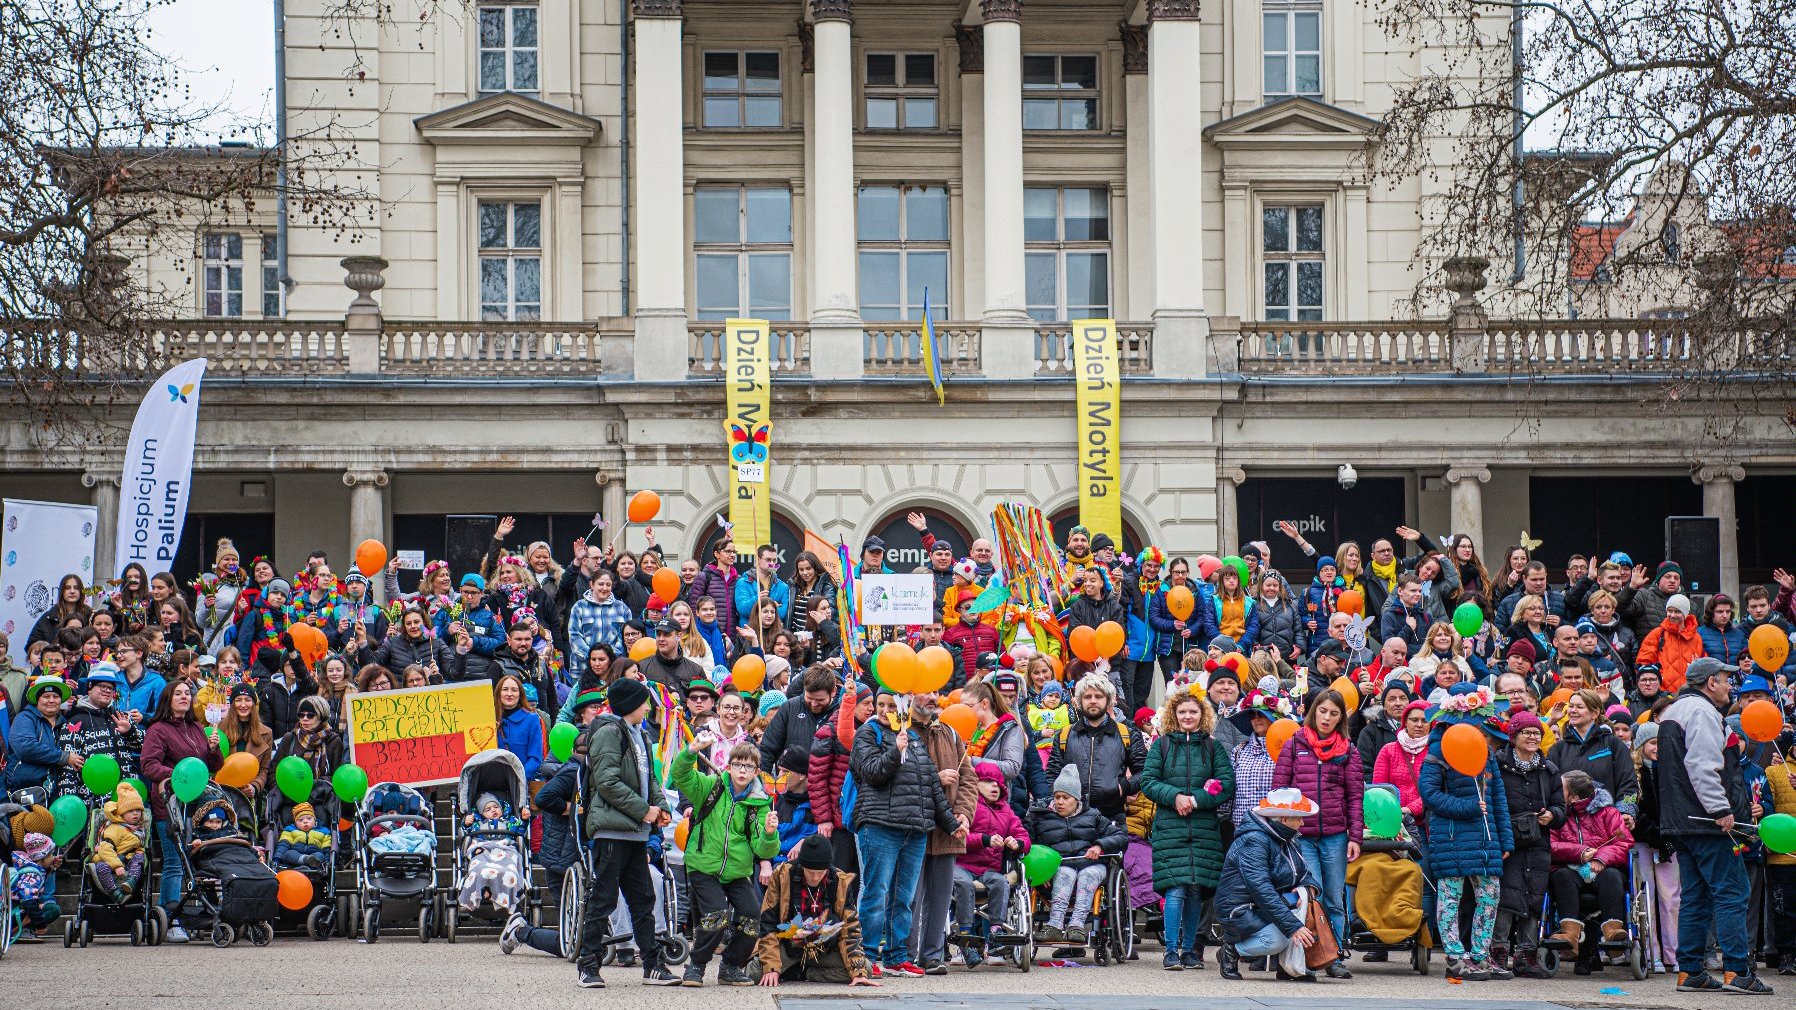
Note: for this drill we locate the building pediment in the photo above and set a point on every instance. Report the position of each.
(507, 118)
(1293, 122)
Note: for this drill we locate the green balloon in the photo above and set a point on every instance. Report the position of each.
(100, 774)
(1383, 813)
(1040, 864)
(561, 740)
(1778, 832)
(143, 791)
(1234, 561)
(189, 779)
(350, 783)
(1468, 619)
(70, 815)
(294, 777)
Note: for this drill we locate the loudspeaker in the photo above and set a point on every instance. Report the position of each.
(466, 539)
(1694, 542)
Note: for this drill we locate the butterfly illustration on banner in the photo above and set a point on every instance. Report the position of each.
(748, 446)
(180, 392)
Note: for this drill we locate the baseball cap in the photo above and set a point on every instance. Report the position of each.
(1702, 668)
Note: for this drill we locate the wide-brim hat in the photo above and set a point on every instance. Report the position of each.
(1287, 803)
(1261, 704)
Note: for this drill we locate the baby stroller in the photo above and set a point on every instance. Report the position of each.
(675, 948)
(226, 880)
(1636, 951)
(327, 911)
(1386, 915)
(1016, 933)
(97, 913)
(386, 874)
(498, 859)
(10, 807)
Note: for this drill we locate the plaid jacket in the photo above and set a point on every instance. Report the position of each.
(591, 622)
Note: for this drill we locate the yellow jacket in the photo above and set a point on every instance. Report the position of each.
(1783, 800)
(118, 841)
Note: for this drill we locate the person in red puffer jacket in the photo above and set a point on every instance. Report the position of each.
(1590, 850)
(829, 769)
(973, 638)
(1321, 762)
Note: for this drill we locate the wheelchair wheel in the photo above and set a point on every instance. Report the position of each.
(1418, 957)
(1637, 960)
(1122, 919)
(1549, 961)
(1022, 917)
(674, 949)
(571, 910)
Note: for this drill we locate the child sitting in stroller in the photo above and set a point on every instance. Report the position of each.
(120, 856)
(302, 845)
(496, 870)
(413, 834)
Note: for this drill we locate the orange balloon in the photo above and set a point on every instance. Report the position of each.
(642, 649)
(749, 673)
(295, 890)
(900, 670)
(1769, 646)
(1280, 733)
(238, 770)
(1463, 747)
(1349, 693)
(1558, 698)
(682, 831)
(1180, 602)
(935, 668)
(961, 720)
(1351, 602)
(1761, 720)
(1084, 641)
(644, 506)
(954, 696)
(666, 583)
(370, 557)
(309, 641)
(1110, 638)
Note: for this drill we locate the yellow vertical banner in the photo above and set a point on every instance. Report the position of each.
(748, 430)
(1097, 373)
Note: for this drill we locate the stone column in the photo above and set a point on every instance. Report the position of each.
(611, 501)
(1008, 335)
(835, 305)
(660, 198)
(1228, 508)
(1466, 513)
(367, 507)
(1718, 480)
(105, 487)
(1175, 169)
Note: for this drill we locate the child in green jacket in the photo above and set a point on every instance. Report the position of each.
(734, 832)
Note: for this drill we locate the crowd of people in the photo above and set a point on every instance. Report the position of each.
(735, 735)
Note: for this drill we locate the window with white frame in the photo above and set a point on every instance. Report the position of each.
(901, 91)
(509, 48)
(1066, 235)
(1060, 92)
(742, 248)
(1291, 50)
(511, 260)
(221, 274)
(742, 89)
(1291, 253)
(271, 276)
(903, 234)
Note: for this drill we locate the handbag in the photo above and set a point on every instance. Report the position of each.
(1526, 828)
(1325, 950)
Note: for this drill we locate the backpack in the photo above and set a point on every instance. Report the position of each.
(850, 792)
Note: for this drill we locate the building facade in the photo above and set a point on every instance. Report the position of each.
(572, 197)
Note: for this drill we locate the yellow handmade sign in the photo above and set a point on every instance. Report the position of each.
(1099, 387)
(748, 431)
(421, 735)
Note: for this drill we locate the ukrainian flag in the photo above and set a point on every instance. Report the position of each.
(930, 354)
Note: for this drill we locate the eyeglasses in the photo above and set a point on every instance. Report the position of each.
(744, 766)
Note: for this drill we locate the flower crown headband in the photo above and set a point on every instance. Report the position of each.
(434, 567)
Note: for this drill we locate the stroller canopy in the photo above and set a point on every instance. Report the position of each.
(493, 771)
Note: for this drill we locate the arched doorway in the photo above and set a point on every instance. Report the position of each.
(788, 539)
(904, 545)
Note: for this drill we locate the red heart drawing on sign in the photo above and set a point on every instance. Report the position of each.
(481, 738)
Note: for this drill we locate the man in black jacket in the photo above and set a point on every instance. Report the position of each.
(1702, 795)
(796, 722)
(1107, 753)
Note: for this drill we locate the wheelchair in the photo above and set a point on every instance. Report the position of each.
(1635, 951)
(1016, 934)
(1418, 945)
(1111, 924)
(674, 945)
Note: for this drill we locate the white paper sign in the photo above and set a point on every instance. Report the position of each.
(751, 473)
(897, 599)
(40, 543)
(413, 560)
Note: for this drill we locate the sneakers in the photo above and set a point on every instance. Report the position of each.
(1455, 970)
(25, 935)
(1527, 965)
(589, 975)
(934, 968)
(1194, 959)
(694, 978)
(1375, 956)
(1050, 933)
(1492, 972)
(733, 975)
(659, 976)
(1173, 961)
(1474, 971)
(1787, 966)
(1700, 981)
(175, 934)
(972, 959)
(513, 934)
(904, 969)
(874, 971)
(1075, 935)
(626, 958)
(1745, 982)
(959, 960)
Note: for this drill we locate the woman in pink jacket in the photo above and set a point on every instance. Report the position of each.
(1590, 850)
(1399, 763)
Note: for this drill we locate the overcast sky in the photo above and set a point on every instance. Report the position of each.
(226, 51)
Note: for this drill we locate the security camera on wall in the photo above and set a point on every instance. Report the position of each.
(1347, 476)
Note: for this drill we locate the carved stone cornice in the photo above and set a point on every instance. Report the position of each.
(972, 48)
(832, 10)
(1455, 474)
(658, 8)
(1173, 10)
(1711, 473)
(1001, 10)
(366, 477)
(1134, 48)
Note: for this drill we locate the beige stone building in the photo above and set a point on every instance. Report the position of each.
(574, 195)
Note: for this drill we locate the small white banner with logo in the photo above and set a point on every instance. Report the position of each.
(40, 542)
(158, 469)
(897, 599)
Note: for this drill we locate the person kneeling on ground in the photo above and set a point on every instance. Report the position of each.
(1262, 881)
(810, 923)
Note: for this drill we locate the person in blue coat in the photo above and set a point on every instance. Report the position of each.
(1469, 833)
(1261, 874)
(1722, 637)
(1173, 637)
(33, 757)
(520, 727)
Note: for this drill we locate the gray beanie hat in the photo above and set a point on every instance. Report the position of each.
(1644, 732)
(1068, 782)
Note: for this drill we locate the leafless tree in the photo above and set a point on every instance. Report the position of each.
(1671, 119)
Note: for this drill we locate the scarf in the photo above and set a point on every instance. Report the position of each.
(1412, 745)
(1326, 750)
(310, 744)
(1148, 586)
(1386, 572)
(982, 738)
(713, 637)
(1526, 766)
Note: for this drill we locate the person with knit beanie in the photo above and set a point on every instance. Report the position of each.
(120, 856)
(1082, 836)
(33, 890)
